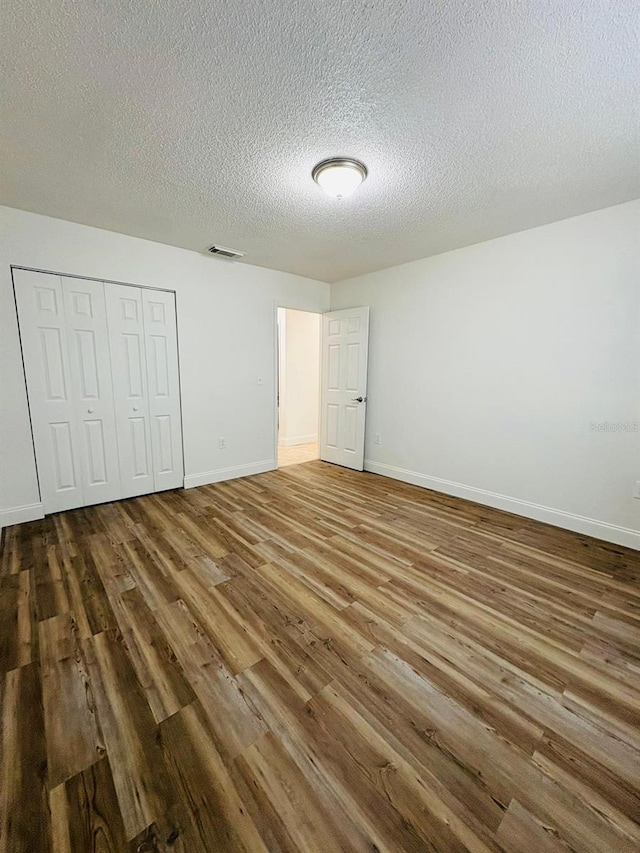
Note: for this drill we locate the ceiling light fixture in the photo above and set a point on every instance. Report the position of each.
(339, 176)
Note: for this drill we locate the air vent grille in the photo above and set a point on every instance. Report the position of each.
(223, 252)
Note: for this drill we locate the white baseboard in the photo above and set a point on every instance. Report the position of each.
(297, 439)
(578, 523)
(221, 474)
(20, 514)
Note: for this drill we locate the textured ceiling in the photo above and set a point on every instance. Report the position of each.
(199, 121)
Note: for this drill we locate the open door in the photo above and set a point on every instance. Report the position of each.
(345, 344)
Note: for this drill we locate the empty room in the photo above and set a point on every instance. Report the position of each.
(320, 426)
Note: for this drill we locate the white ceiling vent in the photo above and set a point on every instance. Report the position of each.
(223, 252)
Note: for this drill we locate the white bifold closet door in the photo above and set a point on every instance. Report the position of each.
(142, 331)
(131, 395)
(164, 387)
(66, 358)
(101, 368)
(92, 389)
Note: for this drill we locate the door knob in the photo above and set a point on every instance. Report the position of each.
(90, 411)
(135, 408)
(358, 399)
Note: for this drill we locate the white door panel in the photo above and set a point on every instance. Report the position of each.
(90, 365)
(66, 479)
(159, 311)
(43, 335)
(345, 342)
(51, 389)
(131, 399)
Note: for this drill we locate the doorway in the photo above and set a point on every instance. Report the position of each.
(298, 386)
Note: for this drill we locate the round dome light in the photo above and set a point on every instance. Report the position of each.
(339, 176)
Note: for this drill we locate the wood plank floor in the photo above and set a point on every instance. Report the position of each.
(316, 660)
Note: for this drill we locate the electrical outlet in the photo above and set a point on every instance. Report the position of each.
(222, 443)
(636, 491)
(376, 438)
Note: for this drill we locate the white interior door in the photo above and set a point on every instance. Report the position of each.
(125, 318)
(161, 339)
(43, 335)
(90, 363)
(345, 344)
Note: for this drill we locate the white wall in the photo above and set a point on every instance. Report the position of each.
(226, 343)
(489, 364)
(299, 376)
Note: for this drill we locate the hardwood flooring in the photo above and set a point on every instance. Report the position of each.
(316, 660)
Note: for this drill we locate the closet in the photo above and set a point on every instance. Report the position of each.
(101, 366)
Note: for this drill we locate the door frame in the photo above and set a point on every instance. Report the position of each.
(13, 267)
(277, 303)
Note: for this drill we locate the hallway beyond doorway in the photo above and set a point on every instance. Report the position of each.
(298, 453)
(298, 391)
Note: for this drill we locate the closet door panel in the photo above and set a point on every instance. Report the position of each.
(164, 388)
(90, 363)
(43, 335)
(128, 360)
